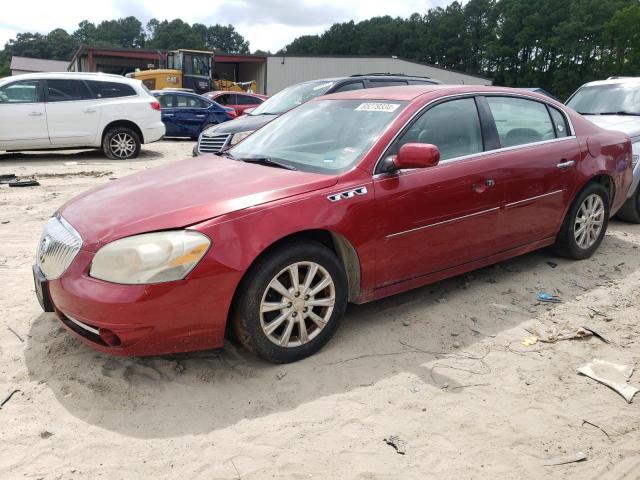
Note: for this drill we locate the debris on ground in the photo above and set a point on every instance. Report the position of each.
(397, 443)
(46, 434)
(552, 264)
(529, 341)
(550, 334)
(595, 333)
(24, 183)
(7, 177)
(15, 333)
(8, 397)
(576, 457)
(548, 297)
(613, 375)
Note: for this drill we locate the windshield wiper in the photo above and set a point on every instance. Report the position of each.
(621, 112)
(268, 161)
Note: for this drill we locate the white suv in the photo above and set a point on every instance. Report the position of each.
(78, 110)
(614, 104)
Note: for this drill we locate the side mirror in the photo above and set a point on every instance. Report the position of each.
(413, 155)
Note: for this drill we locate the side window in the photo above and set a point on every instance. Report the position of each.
(386, 83)
(349, 86)
(520, 121)
(453, 127)
(110, 89)
(559, 122)
(223, 99)
(26, 91)
(66, 90)
(246, 100)
(166, 101)
(421, 82)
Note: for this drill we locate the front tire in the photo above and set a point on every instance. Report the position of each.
(630, 211)
(121, 143)
(585, 225)
(291, 302)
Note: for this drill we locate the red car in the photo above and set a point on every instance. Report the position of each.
(239, 101)
(347, 198)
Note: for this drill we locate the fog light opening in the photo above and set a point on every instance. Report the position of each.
(109, 337)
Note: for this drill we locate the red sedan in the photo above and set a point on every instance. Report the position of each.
(239, 101)
(348, 198)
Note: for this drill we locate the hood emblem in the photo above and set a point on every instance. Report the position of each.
(347, 194)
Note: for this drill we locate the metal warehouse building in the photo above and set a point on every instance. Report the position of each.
(282, 71)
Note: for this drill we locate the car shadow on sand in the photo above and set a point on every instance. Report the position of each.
(83, 157)
(169, 396)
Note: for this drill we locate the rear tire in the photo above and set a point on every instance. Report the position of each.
(283, 320)
(585, 225)
(121, 143)
(630, 211)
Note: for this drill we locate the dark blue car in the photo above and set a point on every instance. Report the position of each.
(187, 114)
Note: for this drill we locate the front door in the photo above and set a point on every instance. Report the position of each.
(23, 119)
(191, 114)
(73, 116)
(440, 217)
(539, 158)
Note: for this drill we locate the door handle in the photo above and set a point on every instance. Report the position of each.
(35, 114)
(168, 114)
(565, 164)
(90, 110)
(199, 116)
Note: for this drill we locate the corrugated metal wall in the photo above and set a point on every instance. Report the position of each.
(288, 70)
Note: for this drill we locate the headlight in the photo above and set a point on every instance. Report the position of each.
(150, 257)
(238, 137)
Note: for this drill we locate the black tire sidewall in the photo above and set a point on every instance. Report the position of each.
(246, 317)
(106, 141)
(567, 242)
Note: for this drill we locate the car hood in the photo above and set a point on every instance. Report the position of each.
(246, 123)
(622, 123)
(180, 194)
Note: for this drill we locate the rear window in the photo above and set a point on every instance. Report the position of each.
(110, 89)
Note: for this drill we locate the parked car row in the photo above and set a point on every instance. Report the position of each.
(349, 197)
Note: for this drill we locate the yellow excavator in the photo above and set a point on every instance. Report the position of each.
(189, 70)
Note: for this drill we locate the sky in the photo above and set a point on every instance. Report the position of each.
(267, 24)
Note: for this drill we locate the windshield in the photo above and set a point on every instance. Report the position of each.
(293, 96)
(618, 98)
(324, 136)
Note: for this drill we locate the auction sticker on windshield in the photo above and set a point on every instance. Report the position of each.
(378, 107)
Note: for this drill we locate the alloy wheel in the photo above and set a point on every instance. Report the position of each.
(297, 304)
(589, 221)
(122, 145)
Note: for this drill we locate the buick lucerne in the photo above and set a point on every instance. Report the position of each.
(350, 197)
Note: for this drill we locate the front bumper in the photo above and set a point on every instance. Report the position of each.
(138, 320)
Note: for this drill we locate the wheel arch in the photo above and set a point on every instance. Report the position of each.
(606, 181)
(123, 123)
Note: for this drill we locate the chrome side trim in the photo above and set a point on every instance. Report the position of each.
(444, 222)
(83, 326)
(531, 199)
(347, 194)
(474, 94)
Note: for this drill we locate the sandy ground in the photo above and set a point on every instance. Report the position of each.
(442, 367)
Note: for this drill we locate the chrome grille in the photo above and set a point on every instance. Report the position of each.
(58, 247)
(213, 144)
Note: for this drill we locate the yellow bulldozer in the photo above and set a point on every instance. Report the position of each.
(189, 70)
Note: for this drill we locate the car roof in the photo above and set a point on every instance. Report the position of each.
(411, 92)
(615, 80)
(178, 92)
(221, 92)
(72, 75)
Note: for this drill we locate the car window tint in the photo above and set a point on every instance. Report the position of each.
(61, 90)
(520, 121)
(102, 89)
(186, 101)
(26, 91)
(349, 86)
(166, 101)
(386, 83)
(559, 122)
(420, 82)
(453, 127)
(222, 99)
(246, 100)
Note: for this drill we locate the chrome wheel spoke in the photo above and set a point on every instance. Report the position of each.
(589, 221)
(290, 313)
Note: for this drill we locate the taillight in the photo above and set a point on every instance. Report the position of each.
(155, 106)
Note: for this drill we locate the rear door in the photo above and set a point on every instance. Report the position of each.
(440, 217)
(538, 155)
(23, 120)
(191, 114)
(72, 114)
(168, 113)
